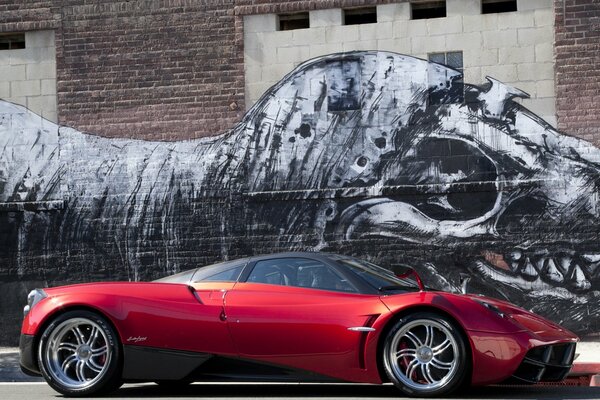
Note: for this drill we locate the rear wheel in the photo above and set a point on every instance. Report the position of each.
(79, 354)
(425, 355)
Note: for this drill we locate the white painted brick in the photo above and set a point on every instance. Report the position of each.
(393, 12)
(529, 36)
(341, 34)
(480, 57)
(12, 73)
(367, 32)
(425, 44)
(516, 55)
(48, 86)
(551, 119)
(545, 106)
(4, 90)
(292, 54)
(252, 74)
(524, 5)
(513, 20)
(260, 23)
(384, 30)
(277, 39)
(254, 56)
(399, 45)
(310, 36)
(36, 39)
(545, 88)
(417, 28)
(319, 50)
(4, 58)
(25, 88)
(274, 72)
(535, 71)
(544, 17)
(544, 52)
(252, 40)
(400, 29)
(504, 73)
(328, 17)
(360, 45)
(496, 39)
(473, 75)
(21, 100)
(25, 56)
(463, 7)
(50, 115)
(37, 104)
(444, 26)
(479, 23)
(526, 86)
(41, 71)
(464, 41)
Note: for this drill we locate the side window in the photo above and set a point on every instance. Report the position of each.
(300, 272)
(230, 275)
(225, 272)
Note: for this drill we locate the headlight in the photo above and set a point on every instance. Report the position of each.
(33, 298)
(492, 308)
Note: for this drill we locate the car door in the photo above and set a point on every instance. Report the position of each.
(302, 313)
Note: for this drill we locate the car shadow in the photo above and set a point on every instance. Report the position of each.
(205, 390)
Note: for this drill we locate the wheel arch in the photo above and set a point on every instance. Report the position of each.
(63, 310)
(414, 309)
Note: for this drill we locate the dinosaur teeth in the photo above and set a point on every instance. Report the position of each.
(529, 272)
(591, 258)
(564, 263)
(551, 272)
(578, 279)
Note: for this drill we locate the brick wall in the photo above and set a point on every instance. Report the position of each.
(578, 67)
(174, 68)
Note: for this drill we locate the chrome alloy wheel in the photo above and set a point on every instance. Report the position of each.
(423, 355)
(78, 353)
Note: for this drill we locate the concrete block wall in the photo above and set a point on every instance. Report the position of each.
(28, 76)
(515, 48)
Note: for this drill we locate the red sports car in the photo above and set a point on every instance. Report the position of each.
(289, 316)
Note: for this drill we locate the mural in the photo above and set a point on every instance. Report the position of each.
(375, 154)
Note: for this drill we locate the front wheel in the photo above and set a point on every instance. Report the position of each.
(425, 355)
(79, 354)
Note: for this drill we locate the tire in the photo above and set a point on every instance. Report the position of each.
(80, 354)
(425, 355)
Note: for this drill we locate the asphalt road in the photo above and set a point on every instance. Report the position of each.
(40, 391)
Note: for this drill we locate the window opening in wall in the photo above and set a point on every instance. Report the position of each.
(288, 22)
(498, 6)
(12, 41)
(363, 15)
(428, 9)
(455, 93)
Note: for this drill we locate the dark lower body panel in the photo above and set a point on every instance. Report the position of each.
(152, 364)
(550, 363)
(28, 360)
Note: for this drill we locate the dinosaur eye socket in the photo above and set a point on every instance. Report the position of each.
(453, 180)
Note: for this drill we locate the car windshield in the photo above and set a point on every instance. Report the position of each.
(378, 277)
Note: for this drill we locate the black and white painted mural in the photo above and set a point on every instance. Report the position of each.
(375, 154)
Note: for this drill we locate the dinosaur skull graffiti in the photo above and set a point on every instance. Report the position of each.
(346, 152)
